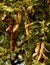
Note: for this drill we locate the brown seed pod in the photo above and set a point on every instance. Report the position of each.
(19, 17)
(4, 18)
(16, 18)
(27, 28)
(15, 29)
(41, 53)
(37, 49)
(10, 27)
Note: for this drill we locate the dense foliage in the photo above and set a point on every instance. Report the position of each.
(24, 32)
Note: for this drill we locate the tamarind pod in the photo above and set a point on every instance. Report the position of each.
(10, 27)
(39, 57)
(35, 54)
(19, 17)
(37, 49)
(15, 29)
(4, 18)
(16, 19)
(42, 50)
(27, 32)
(27, 28)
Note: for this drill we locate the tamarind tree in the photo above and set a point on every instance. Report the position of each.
(24, 32)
